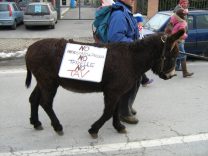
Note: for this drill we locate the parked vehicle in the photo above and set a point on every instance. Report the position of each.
(197, 41)
(10, 14)
(40, 14)
(22, 4)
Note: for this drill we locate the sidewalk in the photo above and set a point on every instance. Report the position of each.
(13, 40)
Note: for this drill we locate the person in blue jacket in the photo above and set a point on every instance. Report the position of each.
(122, 27)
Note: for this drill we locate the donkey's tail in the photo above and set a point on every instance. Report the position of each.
(28, 78)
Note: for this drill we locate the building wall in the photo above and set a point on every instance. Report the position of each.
(152, 7)
(146, 7)
(135, 6)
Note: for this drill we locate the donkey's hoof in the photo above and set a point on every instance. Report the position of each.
(122, 131)
(39, 127)
(94, 135)
(57, 127)
(36, 124)
(60, 133)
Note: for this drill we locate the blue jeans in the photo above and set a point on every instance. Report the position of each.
(181, 57)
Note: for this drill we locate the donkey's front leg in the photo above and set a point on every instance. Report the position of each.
(116, 121)
(110, 106)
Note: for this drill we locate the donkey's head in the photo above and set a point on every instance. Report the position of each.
(165, 66)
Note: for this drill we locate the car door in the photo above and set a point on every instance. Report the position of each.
(191, 41)
(202, 33)
(17, 13)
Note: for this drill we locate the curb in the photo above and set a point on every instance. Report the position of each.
(15, 44)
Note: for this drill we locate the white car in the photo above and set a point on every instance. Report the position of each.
(40, 14)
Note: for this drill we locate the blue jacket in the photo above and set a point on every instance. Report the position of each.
(122, 25)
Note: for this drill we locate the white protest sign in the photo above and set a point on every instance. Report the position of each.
(83, 62)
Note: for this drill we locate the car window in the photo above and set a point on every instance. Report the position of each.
(22, 4)
(4, 7)
(15, 7)
(202, 22)
(190, 21)
(157, 21)
(37, 9)
(18, 7)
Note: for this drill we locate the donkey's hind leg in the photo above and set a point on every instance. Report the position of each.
(47, 96)
(34, 104)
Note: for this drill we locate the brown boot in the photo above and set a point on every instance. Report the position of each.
(133, 111)
(184, 70)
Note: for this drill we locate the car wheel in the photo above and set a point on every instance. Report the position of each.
(27, 27)
(14, 26)
(205, 53)
(52, 26)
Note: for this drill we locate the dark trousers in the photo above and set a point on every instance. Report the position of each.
(127, 100)
(145, 79)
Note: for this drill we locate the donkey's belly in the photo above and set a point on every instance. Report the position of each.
(80, 86)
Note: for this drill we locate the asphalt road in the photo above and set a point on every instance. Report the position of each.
(173, 119)
(173, 114)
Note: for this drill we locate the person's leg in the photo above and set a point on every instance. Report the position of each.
(183, 61)
(126, 111)
(145, 80)
(133, 97)
(178, 64)
(124, 108)
(184, 69)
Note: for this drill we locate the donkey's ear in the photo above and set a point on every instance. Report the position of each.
(178, 34)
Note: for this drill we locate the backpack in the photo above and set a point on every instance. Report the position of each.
(100, 23)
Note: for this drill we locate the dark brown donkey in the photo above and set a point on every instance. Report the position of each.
(125, 63)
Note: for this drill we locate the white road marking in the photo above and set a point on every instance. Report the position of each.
(112, 147)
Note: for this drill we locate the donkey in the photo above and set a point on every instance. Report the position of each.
(124, 65)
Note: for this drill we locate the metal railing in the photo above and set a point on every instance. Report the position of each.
(85, 8)
(170, 4)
